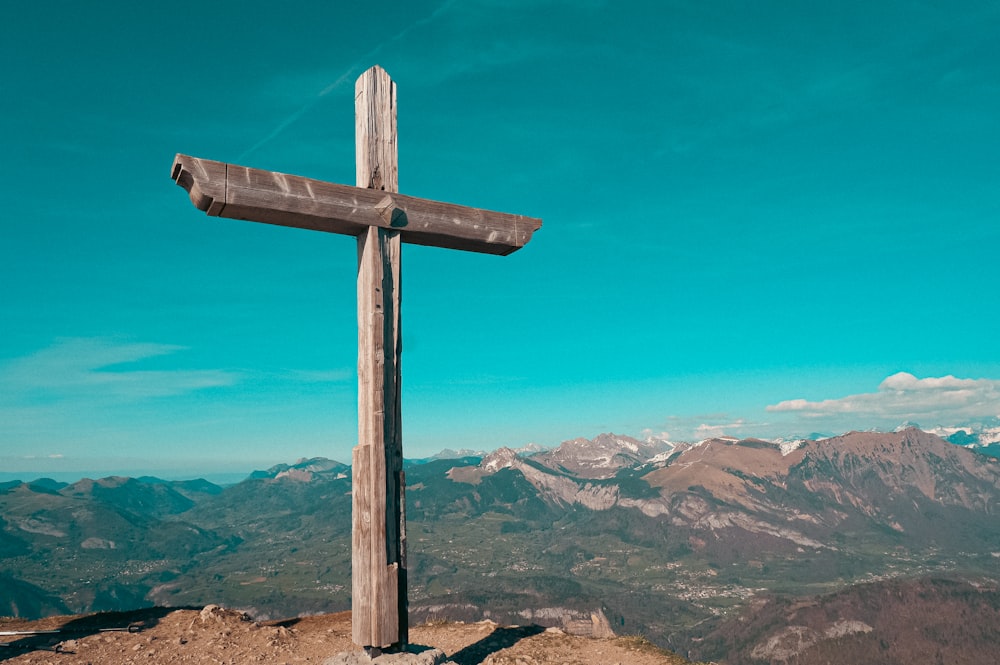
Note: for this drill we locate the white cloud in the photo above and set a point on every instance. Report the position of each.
(714, 431)
(103, 398)
(99, 367)
(903, 381)
(706, 426)
(943, 401)
(903, 396)
(319, 376)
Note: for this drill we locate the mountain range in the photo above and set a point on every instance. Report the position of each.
(715, 549)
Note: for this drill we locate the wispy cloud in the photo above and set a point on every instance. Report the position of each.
(455, 30)
(89, 394)
(903, 396)
(344, 78)
(710, 431)
(83, 398)
(111, 370)
(100, 367)
(706, 426)
(319, 376)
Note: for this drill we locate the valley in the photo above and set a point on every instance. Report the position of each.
(684, 544)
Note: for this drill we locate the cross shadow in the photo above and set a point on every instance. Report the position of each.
(499, 639)
(76, 628)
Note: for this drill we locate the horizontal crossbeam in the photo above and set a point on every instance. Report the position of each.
(239, 192)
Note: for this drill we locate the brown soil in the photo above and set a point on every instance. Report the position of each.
(217, 636)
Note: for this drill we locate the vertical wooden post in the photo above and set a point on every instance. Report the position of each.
(379, 517)
(378, 579)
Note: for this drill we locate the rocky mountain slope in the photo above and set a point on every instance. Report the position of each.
(600, 458)
(809, 495)
(898, 622)
(608, 536)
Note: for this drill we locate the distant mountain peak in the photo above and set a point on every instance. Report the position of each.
(448, 453)
(502, 458)
(304, 470)
(788, 447)
(600, 457)
(981, 433)
(530, 449)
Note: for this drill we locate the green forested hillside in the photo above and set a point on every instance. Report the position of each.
(675, 549)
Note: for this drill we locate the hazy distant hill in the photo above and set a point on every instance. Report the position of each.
(304, 469)
(897, 622)
(93, 544)
(639, 537)
(128, 495)
(19, 598)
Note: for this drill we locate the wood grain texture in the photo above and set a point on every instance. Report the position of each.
(379, 355)
(361, 543)
(240, 192)
(376, 158)
(381, 219)
(204, 180)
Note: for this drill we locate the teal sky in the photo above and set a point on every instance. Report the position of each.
(760, 218)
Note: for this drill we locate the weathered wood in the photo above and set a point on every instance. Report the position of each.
(402, 599)
(239, 192)
(376, 159)
(381, 219)
(362, 550)
(377, 488)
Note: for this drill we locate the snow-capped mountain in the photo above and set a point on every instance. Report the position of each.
(973, 435)
(600, 457)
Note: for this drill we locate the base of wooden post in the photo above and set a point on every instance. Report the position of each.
(413, 655)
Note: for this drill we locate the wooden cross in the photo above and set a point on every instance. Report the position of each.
(380, 218)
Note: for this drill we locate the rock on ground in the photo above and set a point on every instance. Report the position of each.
(219, 636)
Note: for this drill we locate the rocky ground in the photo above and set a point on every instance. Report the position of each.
(216, 636)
